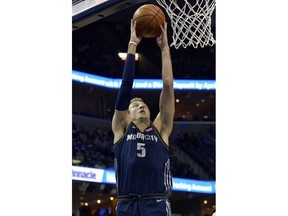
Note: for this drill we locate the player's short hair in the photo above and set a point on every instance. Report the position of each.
(136, 99)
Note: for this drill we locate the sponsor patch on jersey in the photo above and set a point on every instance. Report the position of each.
(148, 129)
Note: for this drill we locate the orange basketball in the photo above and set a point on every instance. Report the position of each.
(149, 17)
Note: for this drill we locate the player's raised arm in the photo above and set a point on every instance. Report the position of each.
(164, 120)
(120, 118)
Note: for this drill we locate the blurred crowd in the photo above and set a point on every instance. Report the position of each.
(93, 149)
(95, 50)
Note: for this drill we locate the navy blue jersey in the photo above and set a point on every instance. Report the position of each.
(142, 164)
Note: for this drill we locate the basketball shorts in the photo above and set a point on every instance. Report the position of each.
(149, 207)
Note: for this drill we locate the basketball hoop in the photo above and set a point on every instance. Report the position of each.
(191, 24)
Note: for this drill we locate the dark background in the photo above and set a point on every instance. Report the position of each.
(95, 50)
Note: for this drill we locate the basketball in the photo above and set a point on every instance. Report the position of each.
(149, 17)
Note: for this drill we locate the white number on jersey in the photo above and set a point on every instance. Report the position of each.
(141, 151)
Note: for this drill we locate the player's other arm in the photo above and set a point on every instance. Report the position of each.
(164, 119)
(121, 118)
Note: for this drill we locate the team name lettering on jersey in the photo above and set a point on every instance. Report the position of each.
(142, 136)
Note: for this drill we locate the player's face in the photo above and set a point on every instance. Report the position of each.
(139, 110)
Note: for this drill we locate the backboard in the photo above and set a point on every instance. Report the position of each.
(85, 12)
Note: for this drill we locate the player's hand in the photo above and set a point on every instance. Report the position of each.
(133, 34)
(162, 40)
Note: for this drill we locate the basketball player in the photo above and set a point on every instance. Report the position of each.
(141, 146)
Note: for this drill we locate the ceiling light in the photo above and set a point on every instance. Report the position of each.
(76, 161)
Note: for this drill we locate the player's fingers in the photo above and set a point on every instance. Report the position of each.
(162, 29)
(133, 24)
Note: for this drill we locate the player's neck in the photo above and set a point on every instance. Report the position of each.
(142, 123)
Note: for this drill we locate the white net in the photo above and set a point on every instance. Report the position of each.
(191, 23)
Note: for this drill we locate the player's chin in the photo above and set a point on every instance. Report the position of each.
(143, 116)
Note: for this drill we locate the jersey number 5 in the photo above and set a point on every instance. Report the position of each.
(141, 151)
